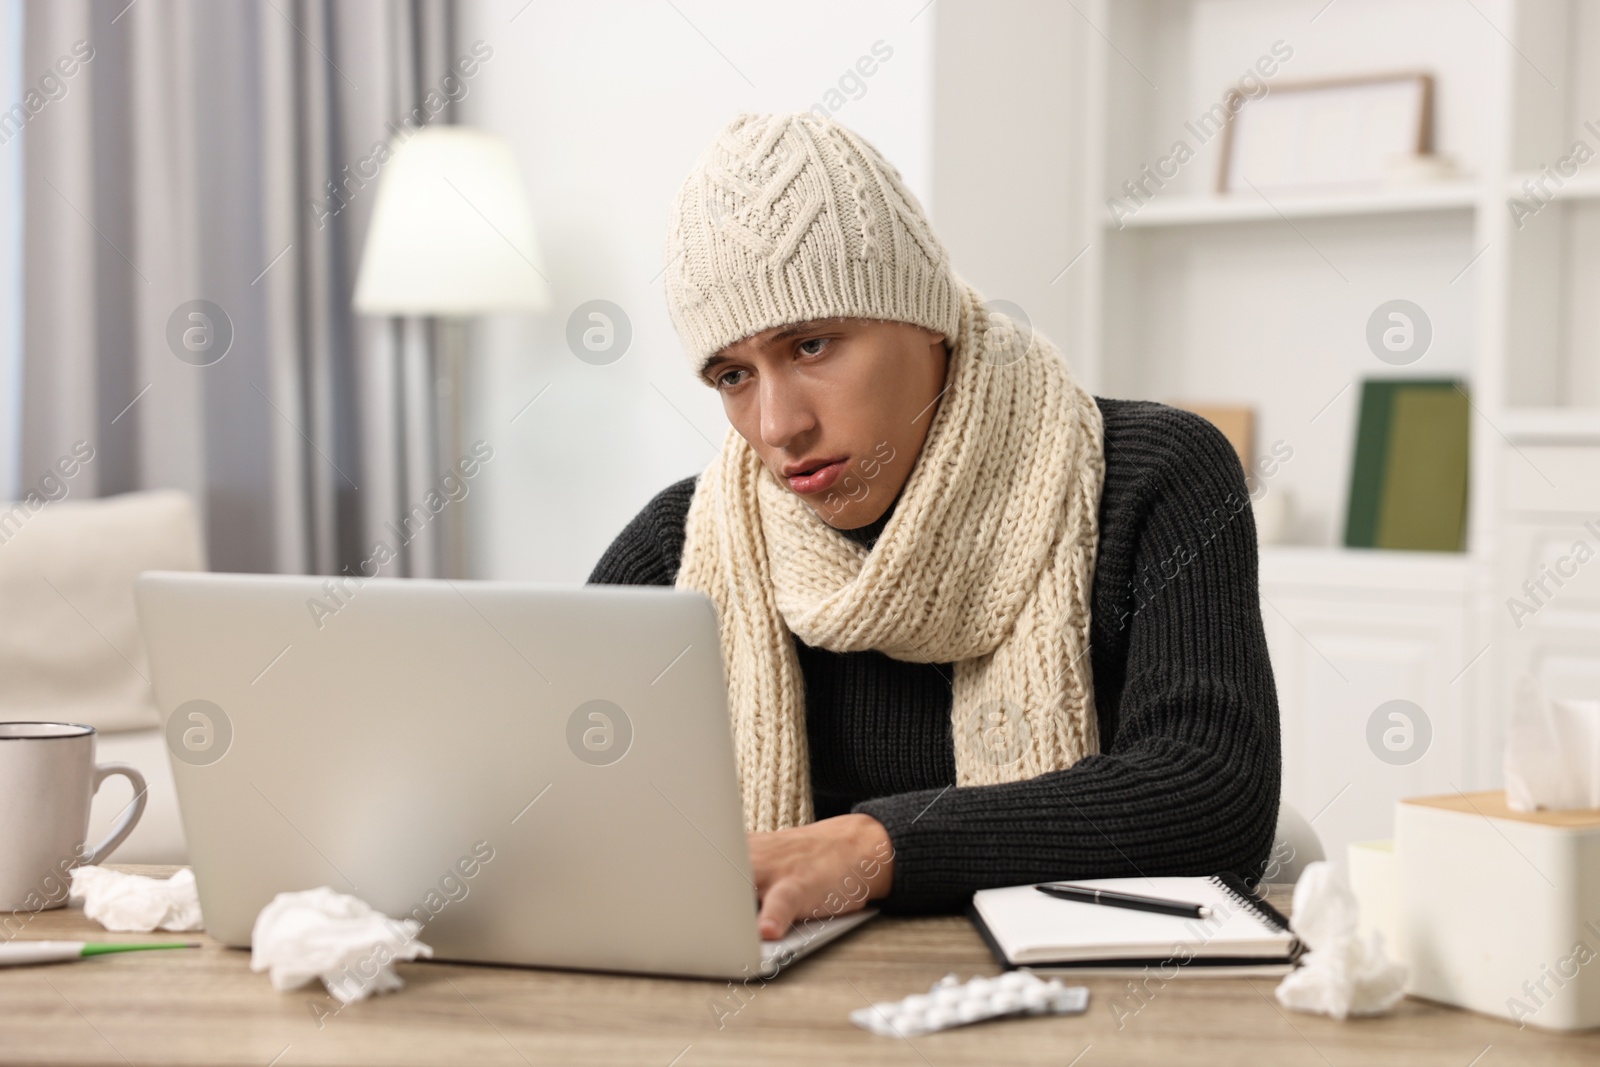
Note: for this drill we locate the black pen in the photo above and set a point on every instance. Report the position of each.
(1087, 895)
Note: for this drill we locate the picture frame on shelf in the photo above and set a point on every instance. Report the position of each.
(1327, 135)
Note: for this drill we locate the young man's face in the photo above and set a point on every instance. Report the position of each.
(837, 409)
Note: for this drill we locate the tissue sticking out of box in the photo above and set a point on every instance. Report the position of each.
(132, 902)
(1344, 974)
(1552, 755)
(340, 939)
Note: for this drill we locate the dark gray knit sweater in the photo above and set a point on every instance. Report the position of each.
(1187, 778)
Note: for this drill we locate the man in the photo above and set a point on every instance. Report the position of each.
(979, 627)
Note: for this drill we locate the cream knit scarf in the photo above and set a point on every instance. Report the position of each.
(987, 562)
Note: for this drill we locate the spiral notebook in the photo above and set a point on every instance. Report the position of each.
(1242, 935)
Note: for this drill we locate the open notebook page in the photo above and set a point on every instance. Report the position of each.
(1032, 927)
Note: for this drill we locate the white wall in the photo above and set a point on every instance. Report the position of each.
(608, 106)
(1010, 173)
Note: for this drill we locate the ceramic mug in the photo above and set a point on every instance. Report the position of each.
(48, 778)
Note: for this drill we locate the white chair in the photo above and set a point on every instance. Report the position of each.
(1294, 845)
(70, 648)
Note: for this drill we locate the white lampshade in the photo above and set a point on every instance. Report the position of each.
(451, 231)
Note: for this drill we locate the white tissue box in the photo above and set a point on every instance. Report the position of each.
(1499, 909)
(1374, 883)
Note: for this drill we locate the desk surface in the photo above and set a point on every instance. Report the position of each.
(207, 1006)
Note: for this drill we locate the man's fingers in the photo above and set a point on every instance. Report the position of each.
(762, 869)
(778, 908)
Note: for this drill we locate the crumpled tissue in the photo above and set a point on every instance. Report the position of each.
(340, 939)
(1343, 974)
(1552, 757)
(131, 902)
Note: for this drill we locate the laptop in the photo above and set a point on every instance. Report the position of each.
(540, 775)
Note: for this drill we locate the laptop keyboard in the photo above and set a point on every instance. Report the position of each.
(802, 940)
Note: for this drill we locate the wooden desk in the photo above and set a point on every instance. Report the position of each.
(207, 1006)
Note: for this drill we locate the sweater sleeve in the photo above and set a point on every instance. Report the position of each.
(1188, 780)
(649, 549)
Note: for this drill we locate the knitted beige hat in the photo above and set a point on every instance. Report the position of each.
(788, 218)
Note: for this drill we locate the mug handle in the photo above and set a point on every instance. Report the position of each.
(120, 832)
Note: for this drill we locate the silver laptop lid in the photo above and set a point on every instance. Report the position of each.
(543, 774)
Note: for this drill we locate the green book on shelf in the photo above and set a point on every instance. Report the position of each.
(1366, 478)
(1408, 486)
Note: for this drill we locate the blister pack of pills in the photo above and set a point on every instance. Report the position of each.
(953, 1003)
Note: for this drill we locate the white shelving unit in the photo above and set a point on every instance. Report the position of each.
(1240, 299)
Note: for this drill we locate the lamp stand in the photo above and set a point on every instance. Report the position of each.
(450, 403)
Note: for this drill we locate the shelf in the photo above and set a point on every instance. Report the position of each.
(1207, 210)
(1577, 187)
(1551, 425)
(1364, 572)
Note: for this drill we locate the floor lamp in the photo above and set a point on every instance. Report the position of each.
(451, 236)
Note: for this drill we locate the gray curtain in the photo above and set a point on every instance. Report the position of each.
(224, 152)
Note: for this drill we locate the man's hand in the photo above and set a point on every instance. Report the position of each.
(817, 871)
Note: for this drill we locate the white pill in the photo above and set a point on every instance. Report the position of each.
(1006, 1001)
(951, 1002)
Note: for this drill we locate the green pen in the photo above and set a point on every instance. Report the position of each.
(15, 953)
